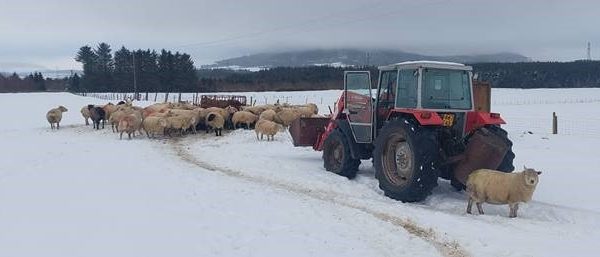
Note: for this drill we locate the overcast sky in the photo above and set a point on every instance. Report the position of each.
(48, 33)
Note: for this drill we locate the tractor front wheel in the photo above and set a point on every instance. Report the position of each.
(337, 157)
(404, 159)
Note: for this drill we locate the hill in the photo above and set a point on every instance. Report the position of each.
(344, 57)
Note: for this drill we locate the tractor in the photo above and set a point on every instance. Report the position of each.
(420, 124)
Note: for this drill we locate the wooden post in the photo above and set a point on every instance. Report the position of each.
(554, 123)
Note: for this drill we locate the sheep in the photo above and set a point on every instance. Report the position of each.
(179, 122)
(109, 109)
(266, 127)
(497, 187)
(55, 116)
(215, 121)
(268, 115)
(257, 110)
(224, 113)
(244, 117)
(154, 125)
(230, 111)
(130, 123)
(97, 114)
(193, 116)
(286, 117)
(85, 112)
(116, 117)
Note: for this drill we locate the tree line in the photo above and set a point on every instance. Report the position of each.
(34, 82)
(134, 71)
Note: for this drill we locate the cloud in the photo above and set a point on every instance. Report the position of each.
(51, 31)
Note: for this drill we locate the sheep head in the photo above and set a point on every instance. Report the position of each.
(62, 108)
(531, 176)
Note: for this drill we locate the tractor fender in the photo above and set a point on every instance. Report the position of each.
(423, 117)
(477, 120)
(344, 126)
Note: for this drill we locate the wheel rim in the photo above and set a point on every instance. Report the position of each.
(398, 161)
(337, 155)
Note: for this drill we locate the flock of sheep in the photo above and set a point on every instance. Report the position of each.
(167, 119)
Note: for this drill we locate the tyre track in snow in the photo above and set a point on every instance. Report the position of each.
(444, 247)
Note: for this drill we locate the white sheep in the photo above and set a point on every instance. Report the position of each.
(179, 123)
(130, 123)
(85, 112)
(497, 187)
(55, 116)
(244, 117)
(286, 117)
(154, 125)
(266, 127)
(215, 121)
(268, 115)
(109, 109)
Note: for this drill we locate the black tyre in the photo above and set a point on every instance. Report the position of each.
(404, 159)
(337, 157)
(507, 163)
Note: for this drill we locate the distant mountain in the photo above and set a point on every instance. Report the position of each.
(344, 57)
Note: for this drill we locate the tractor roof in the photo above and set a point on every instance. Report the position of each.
(426, 64)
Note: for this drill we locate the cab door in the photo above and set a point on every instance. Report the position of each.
(359, 104)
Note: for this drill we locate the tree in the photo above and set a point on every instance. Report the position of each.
(88, 59)
(123, 71)
(105, 66)
(74, 83)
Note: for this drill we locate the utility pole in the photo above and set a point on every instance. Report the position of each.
(589, 51)
(135, 92)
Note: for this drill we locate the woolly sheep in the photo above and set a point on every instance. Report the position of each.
(266, 127)
(85, 112)
(215, 121)
(154, 125)
(194, 116)
(55, 116)
(109, 109)
(497, 187)
(179, 123)
(97, 114)
(268, 115)
(257, 110)
(286, 117)
(244, 117)
(130, 123)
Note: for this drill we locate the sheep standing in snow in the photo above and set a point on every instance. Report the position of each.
(98, 115)
(109, 109)
(243, 117)
(215, 121)
(55, 116)
(497, 187)
(154, 125)
(85, 112)
(130, 123)
(266, 127)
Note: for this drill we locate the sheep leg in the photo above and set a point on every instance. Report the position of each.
(121, 136)
(513, 210)
(257, 136)
(58, 125)
(469, 205)
(479, 208)
(129, 134)
(87, 123)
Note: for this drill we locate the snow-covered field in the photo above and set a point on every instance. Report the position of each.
(80, 192)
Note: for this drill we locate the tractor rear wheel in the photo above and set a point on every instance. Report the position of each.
(404, 159)
(337, 157)
(507, 162)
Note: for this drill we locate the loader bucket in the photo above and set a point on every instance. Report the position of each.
(485, 150)
(305, 131)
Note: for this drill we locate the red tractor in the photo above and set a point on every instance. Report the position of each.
(420, 124)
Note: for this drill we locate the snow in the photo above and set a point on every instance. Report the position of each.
(80, 192)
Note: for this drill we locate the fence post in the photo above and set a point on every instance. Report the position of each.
(554, 123)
